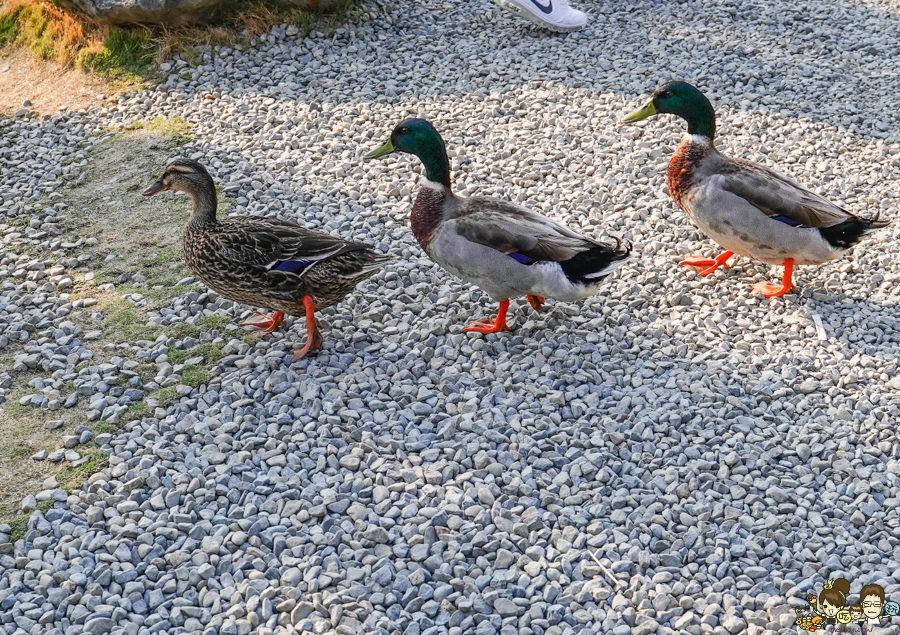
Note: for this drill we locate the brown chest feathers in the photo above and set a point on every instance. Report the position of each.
(427, 213)
(683, 166)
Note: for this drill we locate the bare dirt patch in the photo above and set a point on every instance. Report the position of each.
(48, 85)
(138, 237)
(136, 247)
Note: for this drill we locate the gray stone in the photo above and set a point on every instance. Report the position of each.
(99, 625)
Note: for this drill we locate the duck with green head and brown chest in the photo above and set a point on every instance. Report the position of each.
(266, 262)
(745, 207)
(506, 250)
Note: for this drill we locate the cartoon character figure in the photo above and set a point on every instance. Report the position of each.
(811, 598)
(804, 619)
(856, 613)
(811, 624)
(832, 598)
(872, 599)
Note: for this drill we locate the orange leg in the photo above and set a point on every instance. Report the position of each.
(711, 265)
(496, 326)
(536, 302)
(265, 323)
(773, 290)
(313, 339)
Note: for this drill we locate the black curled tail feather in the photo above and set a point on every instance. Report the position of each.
(596, 262)
(845, 235)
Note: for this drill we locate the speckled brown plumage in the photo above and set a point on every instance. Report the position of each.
(234, 257)
(265, 262)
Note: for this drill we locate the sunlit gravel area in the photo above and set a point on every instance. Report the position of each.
(675, 455)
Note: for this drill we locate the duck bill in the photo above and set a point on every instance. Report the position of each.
(380, 151)
(648, 110)
(156, 188)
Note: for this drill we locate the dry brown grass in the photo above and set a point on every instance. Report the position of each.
(131, 52)
(47, 30)
(237, 23)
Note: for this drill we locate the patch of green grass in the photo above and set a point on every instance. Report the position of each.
(209, 352)
(177, 131)
(8, 29)
(128, 324)
(20, 452)
(166, 255)
(12, 405)
(195, 376)
(203, 324)
(137, 410)
(165, 396)
(43, 506)
(162, 297)
(147, 371)
(103, 131)
(213, 322)
(18, 523)
(16, 410)
(72, 478)
(104, 427)
(124, 55)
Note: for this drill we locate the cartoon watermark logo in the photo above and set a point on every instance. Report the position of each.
(829, 611)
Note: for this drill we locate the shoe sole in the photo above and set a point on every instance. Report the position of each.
(514, 8)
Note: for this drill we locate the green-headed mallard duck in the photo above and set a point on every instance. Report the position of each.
(747, 208)
(506, 250)
(266, 262)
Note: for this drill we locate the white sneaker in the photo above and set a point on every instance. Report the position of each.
(555, 15)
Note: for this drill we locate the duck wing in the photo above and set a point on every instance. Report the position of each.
(275, 245)
(774, 194)
(512, 230)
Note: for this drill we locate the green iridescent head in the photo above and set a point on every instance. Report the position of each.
(683, 100)
(418, 137)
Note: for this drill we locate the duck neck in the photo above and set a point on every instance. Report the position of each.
(205, 203)
(437, 167)
(701, 119)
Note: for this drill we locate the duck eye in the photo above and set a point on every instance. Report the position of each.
(404, 130)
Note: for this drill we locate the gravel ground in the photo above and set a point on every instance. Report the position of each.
(673, 456)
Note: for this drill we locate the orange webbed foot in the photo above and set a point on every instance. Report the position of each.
(536, 302)
(313, 343)
(265, 323)
(774, 290)
(705, 266)
(499, 324)
(485, 327)
(313, 338)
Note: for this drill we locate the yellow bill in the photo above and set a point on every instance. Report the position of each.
(648, 110)
(380, 151)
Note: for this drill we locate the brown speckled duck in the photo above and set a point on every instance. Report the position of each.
(266, 262)
(747, 208)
